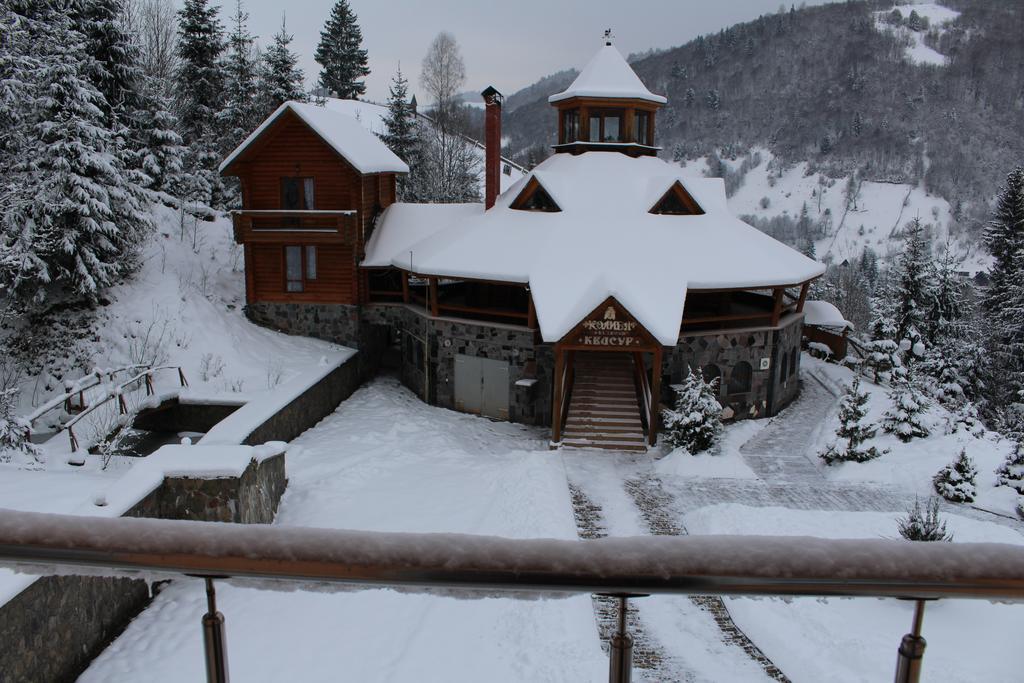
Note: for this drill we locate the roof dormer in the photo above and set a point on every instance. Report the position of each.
(607, 108)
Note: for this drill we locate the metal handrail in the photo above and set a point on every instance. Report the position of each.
(482, 566)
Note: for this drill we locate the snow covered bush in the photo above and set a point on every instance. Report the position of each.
(14, 443)
(923, 525)
(904, 416)
(883, 360)
(854, 429)
(695, 423)
(1011, 472)
(956, 481)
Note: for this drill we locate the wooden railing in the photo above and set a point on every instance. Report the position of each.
(482, 566)
(643, 387)
(252, 225)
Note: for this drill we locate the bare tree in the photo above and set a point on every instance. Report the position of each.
(154, 23)
(443, 74)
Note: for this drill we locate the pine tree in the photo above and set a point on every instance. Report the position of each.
(921, 525)
(956, 481)
(240, 114)
(1004, 239)
(695, 422)
(113, 58)
(854, 429)
(946, 305)
(84, 219)
(911, 285)
(1011, 472)
(402, 131)
(161, 154)
(14, 443)
(904, 416)
(341, 55)
(281, 79)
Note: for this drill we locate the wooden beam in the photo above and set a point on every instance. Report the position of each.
(803, 297)
(652, 423)
(556, 404)
(250, 276)
(433, 297)
(777, 308)
(531, 314)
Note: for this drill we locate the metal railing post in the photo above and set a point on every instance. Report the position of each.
(214, 641)
(911, 651)
(620, 654)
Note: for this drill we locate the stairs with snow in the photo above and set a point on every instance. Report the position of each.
(604, 411)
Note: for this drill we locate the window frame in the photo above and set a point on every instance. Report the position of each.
(307, 267)
(306, 186)
(600, 115)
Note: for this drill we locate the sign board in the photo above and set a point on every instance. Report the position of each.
(609, 327)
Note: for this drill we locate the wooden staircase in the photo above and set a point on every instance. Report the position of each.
(603, 409)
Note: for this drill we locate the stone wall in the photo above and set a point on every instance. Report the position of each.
(433, 374)
(768, 392)
(53, 629)
(174, 416)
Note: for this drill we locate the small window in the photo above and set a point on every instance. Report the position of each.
(677, 202)
(293, 269)
(535, 198)
(297, 194)
(310, 263)
(611, 129)
(595, 128)
(570, 126)
(741, 378)
(641, 127)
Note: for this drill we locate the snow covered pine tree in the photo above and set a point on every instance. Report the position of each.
(903, 418)
(695, 422)
(853, 430)
(280, 77)
(341, 55)
(402, 133)
(956, 481)
(923, 526)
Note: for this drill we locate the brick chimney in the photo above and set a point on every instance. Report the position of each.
(492, 144)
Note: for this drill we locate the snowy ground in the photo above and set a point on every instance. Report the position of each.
(385, 461)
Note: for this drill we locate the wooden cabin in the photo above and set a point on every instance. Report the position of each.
(575, 298)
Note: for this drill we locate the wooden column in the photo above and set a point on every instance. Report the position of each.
(250, 275)
(405, 286)
(434, 311)
(556, 404)
(531, 313)
(803, 297)
(777, 308)
(652, 420)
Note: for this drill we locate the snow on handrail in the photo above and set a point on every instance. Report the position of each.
(473, 566)
(85, 383)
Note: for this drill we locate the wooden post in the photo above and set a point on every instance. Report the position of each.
(777, 308)
(652, 424)
(405, 286)
(531, 314)
(434, 311)
(556, 404)
(803, 297)
(250, 274)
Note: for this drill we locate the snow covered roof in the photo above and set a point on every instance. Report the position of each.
(608, 75)
(603, 242)
(408, 224)
(347, 136)
(824, 314)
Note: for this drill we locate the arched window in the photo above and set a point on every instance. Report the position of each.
(740, 378)
(711, 372)
(784, 373)
(793, 357)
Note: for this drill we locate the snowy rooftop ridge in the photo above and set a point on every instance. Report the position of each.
(607, 74)
(347, 136)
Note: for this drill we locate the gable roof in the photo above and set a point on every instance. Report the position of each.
(607, 74)
(604, 242)
(359, 147)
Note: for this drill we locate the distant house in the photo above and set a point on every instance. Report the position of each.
(573, 298)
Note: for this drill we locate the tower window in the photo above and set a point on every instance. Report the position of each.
(605, 126)
(570, 126)
(641, 128)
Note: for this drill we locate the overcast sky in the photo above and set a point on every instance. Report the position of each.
(509, 44)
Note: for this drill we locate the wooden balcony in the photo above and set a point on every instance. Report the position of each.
(274, 226)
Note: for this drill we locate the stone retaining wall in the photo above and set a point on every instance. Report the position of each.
(53, 629)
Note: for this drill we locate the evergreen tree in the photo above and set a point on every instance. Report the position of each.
(921, 525)
(83, 219)
(402, 130)
(113, 59)
(1011, 472)
(911, 285)
(281, 80)
(14, 443)
(904, 416)
(200, 79)
(240, 114)
(1004, 238)
(956, 481)
(946, 305)
(854, 429)
(161, 154)
(341, 55)
(695, 422)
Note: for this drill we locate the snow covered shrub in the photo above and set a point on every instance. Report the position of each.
(924, 525)
(14, 441)
(854, 429)
(956, 481)
(1011, 472)
(883, 360)
(903, 418)
(695, 423)
(211, 365)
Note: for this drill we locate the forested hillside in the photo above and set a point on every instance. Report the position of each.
(842, 87)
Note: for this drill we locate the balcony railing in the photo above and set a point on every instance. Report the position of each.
(481, 566)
